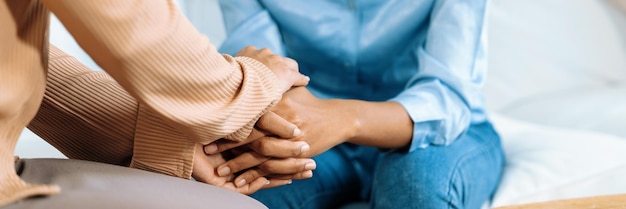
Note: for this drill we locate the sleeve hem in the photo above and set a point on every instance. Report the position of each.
(160, 148)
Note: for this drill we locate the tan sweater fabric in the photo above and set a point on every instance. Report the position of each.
(85, 114)
(22, 83)
(175, 89)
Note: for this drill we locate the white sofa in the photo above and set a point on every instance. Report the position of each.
(557, 91)
(556, 88)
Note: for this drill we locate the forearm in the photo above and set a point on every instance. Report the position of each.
(327, 123)
(155, 54)
(378, 124)
(85, 114)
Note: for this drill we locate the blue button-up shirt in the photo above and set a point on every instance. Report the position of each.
(428, 55)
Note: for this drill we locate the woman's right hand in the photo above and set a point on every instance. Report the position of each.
(285, 69)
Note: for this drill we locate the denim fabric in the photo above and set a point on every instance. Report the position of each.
(463, 174)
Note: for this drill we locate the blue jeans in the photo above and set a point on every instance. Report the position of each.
(462, 175)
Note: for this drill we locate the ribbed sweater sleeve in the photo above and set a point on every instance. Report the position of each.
(23, 26)
(175, 73)
(155, 53)
(85, 114)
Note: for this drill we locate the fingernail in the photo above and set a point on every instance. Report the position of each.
(310, 166)
(297, 132)
(305, 147)
(267, 182)
(210, 149)
(290, 181)
(307, 174)
(240, 183)
(307, 78)
(223, 171)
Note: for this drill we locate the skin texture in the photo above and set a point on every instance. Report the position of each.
(379, 124)
(285, 169)
(286, 69)
(281, 168)
(204, 171)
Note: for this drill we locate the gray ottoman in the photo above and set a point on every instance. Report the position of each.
(102, 186)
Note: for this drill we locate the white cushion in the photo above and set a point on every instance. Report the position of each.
(543, 46)
(560, 64)
(598, 109)
(546, 163)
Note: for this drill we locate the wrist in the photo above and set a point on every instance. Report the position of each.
(351, 122)
(377, 124)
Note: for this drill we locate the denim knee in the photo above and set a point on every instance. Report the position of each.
(462, 175)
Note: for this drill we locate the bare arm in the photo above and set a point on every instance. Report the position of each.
(326, 123)
(378, 124)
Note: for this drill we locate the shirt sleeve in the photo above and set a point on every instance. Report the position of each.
(173, 71)
(452, 64)
(249, 23)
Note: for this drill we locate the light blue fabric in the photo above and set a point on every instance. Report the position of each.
(427, 55)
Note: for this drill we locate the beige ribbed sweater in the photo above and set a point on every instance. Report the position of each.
(172, 89)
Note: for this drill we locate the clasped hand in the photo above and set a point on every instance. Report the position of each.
(254, 160)
(299, 127)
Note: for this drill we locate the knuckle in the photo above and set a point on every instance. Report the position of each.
(295, 151)
(244, 160)
(265, 119)
(258, 158)
(303, 176)
(253, 174)
(268, 167)
(266, 51)
(293, 63)
(246, 51)
(246, 191)
(298, 176)
(285, 105)
(296, 120)
(276, 58)
(234, 166)
(298, 164)
(261, 147)
(256, 146)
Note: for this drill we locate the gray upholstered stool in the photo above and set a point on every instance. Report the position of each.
(101, 186)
